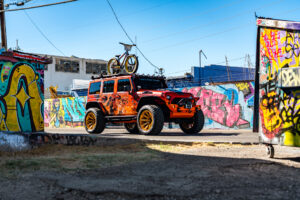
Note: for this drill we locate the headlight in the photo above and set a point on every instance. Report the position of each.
(168, 97)
(191, 97)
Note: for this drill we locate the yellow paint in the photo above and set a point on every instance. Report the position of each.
(291, 140)
(242, 86)
(33, 98)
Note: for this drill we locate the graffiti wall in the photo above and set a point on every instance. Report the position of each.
(224, 106)
(21, 92)
(227, 106)
(65, 112)
(279, 81)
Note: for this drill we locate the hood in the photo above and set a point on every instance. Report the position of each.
(165, 92)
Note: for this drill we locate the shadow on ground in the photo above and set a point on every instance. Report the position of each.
(145, 170)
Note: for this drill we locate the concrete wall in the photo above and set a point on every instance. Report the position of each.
(225, 107)
(64, 79)
(279, 81)
(21, 92)
(65, 112)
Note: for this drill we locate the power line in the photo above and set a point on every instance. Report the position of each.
(41, 32)
(234, 59)
(218, 33)
(39, 6)
(196, 15)
(129, 36)
(210, 23)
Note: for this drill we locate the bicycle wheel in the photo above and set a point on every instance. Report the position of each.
(131, 64)
(113, 66)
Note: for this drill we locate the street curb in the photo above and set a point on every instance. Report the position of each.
(25, 141)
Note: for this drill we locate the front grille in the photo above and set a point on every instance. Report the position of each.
(182, 101)
(176, 100)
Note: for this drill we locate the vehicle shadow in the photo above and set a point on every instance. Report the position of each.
(203, 172)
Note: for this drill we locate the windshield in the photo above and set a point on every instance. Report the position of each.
(149, 83)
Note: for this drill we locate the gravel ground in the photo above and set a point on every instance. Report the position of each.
(195, 172)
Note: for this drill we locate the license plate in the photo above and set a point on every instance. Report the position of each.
(188, 106)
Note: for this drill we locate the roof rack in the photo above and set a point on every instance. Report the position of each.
(134, 75)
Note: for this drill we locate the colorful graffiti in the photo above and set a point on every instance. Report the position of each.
(65, 112)
(225, 106)
(279, 107)
(248, 90)
(21, 94)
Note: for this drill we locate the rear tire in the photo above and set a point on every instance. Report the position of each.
(132, 128)
(150, 120)
(194, 125)
(94, 121)
(112, 66)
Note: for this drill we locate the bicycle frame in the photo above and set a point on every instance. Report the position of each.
(119, 58)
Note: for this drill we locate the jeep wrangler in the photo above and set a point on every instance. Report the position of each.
(143, 103)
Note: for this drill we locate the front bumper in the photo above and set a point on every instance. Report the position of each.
(182, 112)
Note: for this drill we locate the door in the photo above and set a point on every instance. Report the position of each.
(124, 100)
(107, 97)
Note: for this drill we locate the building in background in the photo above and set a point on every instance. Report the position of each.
(211, 74)
(63, 70)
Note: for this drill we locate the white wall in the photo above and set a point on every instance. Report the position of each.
(64, 79)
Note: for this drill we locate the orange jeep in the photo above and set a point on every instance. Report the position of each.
(142, 103)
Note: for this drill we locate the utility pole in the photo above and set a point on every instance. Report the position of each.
(249, 66)
(2, 15)
(201, 52)
(228, 70)
(3, 26)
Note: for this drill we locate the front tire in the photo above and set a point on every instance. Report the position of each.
(150, 120)
(94, 121)
(194, 125)
(131, 64)
(132, 128)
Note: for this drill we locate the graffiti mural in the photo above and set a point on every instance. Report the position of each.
(225, 106)
(65, 112)
(21, 92)
(279, 103)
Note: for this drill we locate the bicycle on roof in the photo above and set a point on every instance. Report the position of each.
(130, 62)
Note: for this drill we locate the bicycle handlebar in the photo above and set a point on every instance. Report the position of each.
(132, 45)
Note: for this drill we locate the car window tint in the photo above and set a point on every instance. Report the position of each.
(124, 85)
(108, 86)
(95, 88)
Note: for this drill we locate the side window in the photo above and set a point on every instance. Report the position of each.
(124, 85)
(108, 86)
(95, 88)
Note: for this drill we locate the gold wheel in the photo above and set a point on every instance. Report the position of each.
(112, 66)
(131, 64)
(90, 121)
(146, 120)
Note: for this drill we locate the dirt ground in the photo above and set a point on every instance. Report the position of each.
(151, 170)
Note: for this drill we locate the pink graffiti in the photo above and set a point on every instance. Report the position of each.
(218, 108)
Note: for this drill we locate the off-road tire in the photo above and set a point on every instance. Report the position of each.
(132, 128)
(99, 120)
(157, 120)
(196, 123)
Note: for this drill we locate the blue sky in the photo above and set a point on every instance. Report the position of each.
(169, 32)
